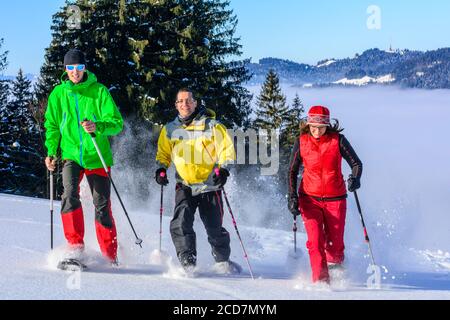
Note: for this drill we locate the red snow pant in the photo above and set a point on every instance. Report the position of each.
(324, 223)
(72, 211)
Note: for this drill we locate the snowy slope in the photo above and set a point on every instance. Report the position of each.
(29, 272)
(326, 63)
(404, 196)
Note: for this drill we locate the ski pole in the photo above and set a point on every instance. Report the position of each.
(138, 240)
(51, 210)
(237, 231)
(366, 235)
(294, 229)
(162, 174)
(217, 172)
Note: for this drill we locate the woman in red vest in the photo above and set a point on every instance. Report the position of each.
(322, 197)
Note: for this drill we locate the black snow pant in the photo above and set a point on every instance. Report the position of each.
(210, 206)
(72, 211)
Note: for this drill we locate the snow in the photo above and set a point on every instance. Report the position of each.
(385, 79)
(355, 82)
(366, 80)
(31, 269)
(326, 63)
(404, 205)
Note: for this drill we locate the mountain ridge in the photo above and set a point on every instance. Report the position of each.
(407, 68)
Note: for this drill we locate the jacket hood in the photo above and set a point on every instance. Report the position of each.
(69, 85)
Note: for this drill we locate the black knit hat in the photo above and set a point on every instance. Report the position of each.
(74, 56)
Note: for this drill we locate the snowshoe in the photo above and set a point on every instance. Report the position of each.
(189, 268)
(114, 263)
(336, 267)
(188, 261)
(71, 265)
(189, 264)
(227, 267)
(338, 276)
(336, 271)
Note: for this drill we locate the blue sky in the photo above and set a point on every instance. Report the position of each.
(298, 30)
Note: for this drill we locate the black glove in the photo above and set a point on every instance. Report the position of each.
(161, 177)
(293, 205)
(221, 178)
(353, 183)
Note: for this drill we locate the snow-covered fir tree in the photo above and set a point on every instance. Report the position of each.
(272, 111)
(292, 131)
(4, 87)
(4, 116)
(21, 160)
(143, 51)
(21, 92)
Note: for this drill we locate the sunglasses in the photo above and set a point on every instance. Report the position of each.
(188, 101)
(80, 67)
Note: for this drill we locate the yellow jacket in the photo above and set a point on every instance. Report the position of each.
(195, 150)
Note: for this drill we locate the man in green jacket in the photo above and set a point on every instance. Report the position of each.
(77, 107)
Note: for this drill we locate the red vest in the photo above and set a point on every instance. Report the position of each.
(322, 175)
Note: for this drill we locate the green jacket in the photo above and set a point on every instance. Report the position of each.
(68, 105)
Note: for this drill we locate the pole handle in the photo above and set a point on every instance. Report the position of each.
(92, 134)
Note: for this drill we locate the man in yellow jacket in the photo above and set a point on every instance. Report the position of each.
(200, 148)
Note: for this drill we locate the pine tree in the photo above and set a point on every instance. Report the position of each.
(144, 50)
(292, 131)
(185, 44)
(4, 123)
(21, 91)
(272, 111)
(208, 39)
(4, 87)
(102, 36)
(4, 93)
(21, 158)
(37, 111)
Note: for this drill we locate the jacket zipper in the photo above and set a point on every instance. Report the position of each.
(63, 122)
(79, 130)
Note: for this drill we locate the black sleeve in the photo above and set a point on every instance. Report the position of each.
(350, 156)
(294, 167)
